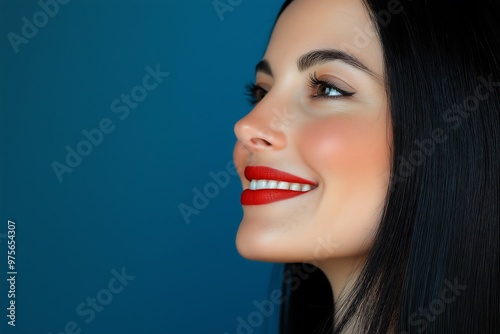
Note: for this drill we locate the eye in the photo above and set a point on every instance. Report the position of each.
(255, 93)
(324, 89)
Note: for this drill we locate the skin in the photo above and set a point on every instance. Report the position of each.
(342, 144)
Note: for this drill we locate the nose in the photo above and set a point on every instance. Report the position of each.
(258, 131)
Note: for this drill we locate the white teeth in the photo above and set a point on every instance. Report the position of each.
(273, 184)
(306, 187)
(284, 185)
(261, 184)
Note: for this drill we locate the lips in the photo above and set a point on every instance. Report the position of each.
(270, 185)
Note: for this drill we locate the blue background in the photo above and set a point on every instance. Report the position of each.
(119, 207)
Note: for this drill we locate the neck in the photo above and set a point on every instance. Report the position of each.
(342, 274)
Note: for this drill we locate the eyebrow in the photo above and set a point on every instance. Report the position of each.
(264, 67)
(317, 57)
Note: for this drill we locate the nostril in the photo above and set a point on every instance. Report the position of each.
(260, 142)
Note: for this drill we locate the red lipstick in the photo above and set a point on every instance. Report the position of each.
(279, 180)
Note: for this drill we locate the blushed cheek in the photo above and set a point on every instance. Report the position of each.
(346, 146)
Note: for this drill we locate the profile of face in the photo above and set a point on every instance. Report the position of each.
(314, 153)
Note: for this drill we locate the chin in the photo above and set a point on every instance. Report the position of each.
(253, 246)
(261, 245)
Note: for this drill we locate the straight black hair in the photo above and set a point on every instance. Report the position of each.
(434, 266)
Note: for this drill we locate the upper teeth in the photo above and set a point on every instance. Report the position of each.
(272, 184)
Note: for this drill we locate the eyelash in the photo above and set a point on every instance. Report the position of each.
(252, 90)
(314, 82)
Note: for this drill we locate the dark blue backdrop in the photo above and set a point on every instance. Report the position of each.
(100, 146)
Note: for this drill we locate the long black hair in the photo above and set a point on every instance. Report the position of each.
(434, 266)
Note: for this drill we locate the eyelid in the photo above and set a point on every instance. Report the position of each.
(314, 81)
(263, 85)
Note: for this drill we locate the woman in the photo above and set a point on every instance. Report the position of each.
(373, 154)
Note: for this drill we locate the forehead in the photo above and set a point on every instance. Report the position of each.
(324, 24)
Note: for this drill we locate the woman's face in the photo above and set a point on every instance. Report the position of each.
(322, 117)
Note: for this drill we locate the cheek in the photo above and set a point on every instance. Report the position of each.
(345, 146)
(351, 157)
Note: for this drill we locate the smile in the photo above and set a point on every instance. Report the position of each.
(274, 184)
(268, 185)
